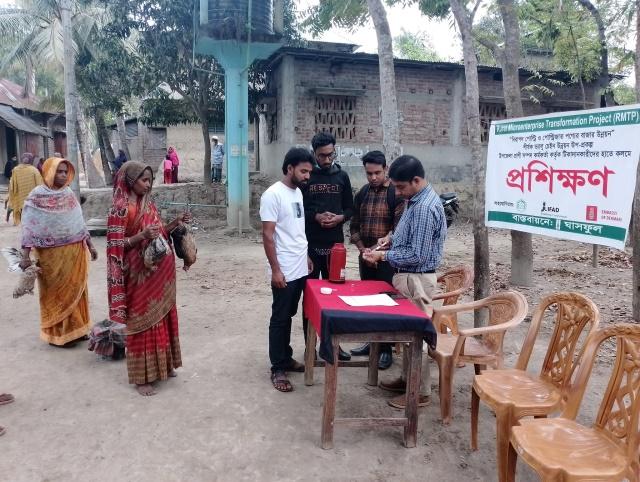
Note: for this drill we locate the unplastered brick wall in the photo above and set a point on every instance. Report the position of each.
(425, 99)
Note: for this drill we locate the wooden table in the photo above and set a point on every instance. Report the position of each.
(404, 323)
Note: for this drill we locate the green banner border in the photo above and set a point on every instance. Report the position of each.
(609, 232)
(524, 126)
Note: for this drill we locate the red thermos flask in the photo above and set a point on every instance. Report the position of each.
(337, 263)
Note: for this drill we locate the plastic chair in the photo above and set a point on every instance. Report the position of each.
(456, 282)
(515, 393)
(480, 346)
(560, 449)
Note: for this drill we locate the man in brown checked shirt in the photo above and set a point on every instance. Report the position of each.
(376, 213)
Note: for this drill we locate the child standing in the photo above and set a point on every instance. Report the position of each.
(168, 170)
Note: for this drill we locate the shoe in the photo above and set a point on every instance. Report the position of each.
(385, 360)
(361, 351)
(398, 385)
(400, 401)
(343, 355)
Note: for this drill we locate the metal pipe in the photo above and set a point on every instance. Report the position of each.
(249, 28)
(204, 12)
(210, 72)
(239, 222)
(165, 204)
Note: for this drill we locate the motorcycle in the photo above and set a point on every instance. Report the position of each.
(451, 207)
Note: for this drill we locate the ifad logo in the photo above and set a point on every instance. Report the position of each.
(592, 213)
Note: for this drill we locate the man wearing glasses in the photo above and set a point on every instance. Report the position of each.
(328, 204)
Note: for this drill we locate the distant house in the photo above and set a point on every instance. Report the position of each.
(149, 144)
(25, 127)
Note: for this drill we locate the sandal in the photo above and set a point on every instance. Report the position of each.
(67, 345)
(398, 385)
(296, 366)
(280, 381)
(400, 401)
(6, 398)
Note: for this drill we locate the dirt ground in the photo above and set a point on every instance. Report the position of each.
(76, 418)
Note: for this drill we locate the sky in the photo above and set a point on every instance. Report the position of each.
(441, 34)
(443, 37)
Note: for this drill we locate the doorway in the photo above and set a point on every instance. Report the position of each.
(10, 149)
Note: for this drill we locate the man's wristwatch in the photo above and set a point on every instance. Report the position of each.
(384, 256)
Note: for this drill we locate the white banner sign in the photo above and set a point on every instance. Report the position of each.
(569, 175)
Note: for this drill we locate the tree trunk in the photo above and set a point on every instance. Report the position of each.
(636, 202)
(480, 233)
(204, 122)
(389, 101)
(122, 135)
(30, 78)
(603, 78)
(106, 151)
(94, 179)
(509, 58)
(70, 91)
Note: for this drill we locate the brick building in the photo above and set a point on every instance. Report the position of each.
(329, 87)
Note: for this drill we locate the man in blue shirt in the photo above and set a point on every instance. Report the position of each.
(414, 250)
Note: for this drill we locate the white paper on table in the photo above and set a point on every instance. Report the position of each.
(369, 300)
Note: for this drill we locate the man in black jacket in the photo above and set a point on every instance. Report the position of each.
(328, 204)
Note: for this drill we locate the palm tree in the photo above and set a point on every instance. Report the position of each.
(51, 31)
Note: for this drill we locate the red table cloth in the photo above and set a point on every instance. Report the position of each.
(330, 315)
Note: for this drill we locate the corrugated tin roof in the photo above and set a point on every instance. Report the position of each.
(20, 122)
(13, 94)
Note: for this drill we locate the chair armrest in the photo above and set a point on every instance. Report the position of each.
(485, 330)
(448, 294)
(445, 313)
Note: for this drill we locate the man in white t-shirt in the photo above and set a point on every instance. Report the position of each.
(285, 244)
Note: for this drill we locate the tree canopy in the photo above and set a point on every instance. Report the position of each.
(414, 46)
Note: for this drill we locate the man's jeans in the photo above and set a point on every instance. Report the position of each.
(283, 309)
(217, 173)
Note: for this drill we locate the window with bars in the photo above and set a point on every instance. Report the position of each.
(131, 129)
(336, 115)
(488, 113)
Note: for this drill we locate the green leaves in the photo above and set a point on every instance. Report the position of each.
(348, 14)
(414, 46)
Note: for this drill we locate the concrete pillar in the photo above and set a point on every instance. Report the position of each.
(288, 102)
(236, 137)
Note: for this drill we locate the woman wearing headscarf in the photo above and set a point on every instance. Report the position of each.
(53, 227)
(23, 179)
(175, 160)
(140, 296)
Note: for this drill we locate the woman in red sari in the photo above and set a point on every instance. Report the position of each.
(142, 298)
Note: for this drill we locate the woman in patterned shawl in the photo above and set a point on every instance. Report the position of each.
(142, 298)
(53, 226)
